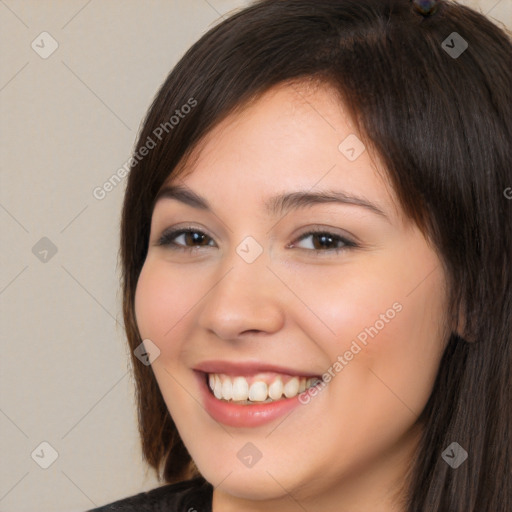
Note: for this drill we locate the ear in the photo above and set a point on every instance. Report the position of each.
(461, 327)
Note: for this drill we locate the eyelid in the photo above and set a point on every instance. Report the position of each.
(324, 228)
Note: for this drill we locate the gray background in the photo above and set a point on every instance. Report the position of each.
(68, 123)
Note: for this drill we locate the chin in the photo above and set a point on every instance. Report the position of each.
(248, 484)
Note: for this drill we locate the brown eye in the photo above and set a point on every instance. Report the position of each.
(184, 239)
(324, 241)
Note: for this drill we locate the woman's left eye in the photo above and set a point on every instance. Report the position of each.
(324, 241)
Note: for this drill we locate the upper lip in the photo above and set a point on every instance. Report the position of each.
(248, 368)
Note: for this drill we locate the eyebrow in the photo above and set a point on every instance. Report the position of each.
(276, 205)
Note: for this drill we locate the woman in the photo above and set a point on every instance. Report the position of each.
(315, 243)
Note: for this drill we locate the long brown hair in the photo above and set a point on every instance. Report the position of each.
(441, 123)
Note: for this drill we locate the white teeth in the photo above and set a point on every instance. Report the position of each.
(227, 389)
(237, 388)
(217, 389)
(240, 389)
(275, 390)
(258, 392)
(291, 388)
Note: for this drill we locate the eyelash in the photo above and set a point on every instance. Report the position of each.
(167, 240)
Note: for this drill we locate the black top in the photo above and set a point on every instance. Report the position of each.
(190, 496)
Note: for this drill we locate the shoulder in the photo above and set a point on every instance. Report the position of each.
(189, 496)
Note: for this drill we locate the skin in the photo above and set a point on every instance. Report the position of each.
(350, 447)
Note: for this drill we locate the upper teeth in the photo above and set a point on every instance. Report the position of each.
(260, 390)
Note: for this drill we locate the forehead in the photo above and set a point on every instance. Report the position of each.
(292, 137)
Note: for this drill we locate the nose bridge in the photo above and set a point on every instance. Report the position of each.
(244, 296)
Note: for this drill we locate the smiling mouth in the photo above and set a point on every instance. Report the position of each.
(261, 388)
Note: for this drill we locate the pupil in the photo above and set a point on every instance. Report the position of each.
(195, 237)
(324, 240)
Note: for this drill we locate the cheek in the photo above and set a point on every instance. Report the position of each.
(408, 351)
(355, 302)
(150, 303)
(162, 300)
(398, 352)
(381, 326)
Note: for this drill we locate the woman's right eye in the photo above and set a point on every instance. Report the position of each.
(185, 239)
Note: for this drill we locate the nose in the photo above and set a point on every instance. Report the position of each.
(244, 300)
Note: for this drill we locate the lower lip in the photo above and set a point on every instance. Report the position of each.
(236, 415)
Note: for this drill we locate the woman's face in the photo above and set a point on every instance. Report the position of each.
(283, 276)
